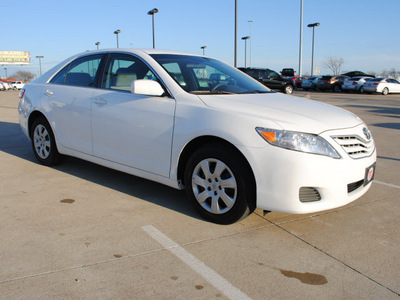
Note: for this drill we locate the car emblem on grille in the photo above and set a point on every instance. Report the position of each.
(367, 134)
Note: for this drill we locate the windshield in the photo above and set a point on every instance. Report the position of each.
(202, 75)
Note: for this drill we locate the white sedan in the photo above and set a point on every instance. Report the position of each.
(382, 85)
(233, 144)
(355, 84)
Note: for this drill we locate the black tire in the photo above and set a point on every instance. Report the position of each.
(361, 90)
(220, 184)
(288, 89)
(385, 91)
(43, 143)
(336, 88)
(305, 89)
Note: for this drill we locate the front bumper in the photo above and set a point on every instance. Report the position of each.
(282, 175)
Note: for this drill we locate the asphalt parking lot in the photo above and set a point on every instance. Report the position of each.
(82, 231)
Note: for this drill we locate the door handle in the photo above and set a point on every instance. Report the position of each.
(48, 93)
(100, 101)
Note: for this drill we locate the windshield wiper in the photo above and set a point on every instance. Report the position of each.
(257, 92)
(207, 92)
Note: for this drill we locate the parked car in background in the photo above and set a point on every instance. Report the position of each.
(310, 83)
(293, 78)
(271, 79)
(355, 84)
(382, 85)
(357, 73)
(288, 72)
(299, 81)
(333, 83)
(4, 86)
(17, 85)
(234, 146)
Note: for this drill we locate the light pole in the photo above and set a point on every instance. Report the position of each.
(312, 56)
(40, 64)
(152, 13)
(116, 32)
(245, 38)
(301, 39)
(250, 21)
(235, 43)
(6, 71)
(97, 44)
(203, 47)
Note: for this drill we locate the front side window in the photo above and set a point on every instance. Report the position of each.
(81, 72)
(122, 69)
(202, 75)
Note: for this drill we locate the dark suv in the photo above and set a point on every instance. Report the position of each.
(271, 79)
(333, 83)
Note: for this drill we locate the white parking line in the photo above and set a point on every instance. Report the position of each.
(387, 184)
(203, 270)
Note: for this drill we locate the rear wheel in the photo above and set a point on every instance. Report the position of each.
(385, 91)
(336, 88)
(361, 90)
(220, 184)
(43, 143)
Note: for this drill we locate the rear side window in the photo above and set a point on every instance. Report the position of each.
(81, 72)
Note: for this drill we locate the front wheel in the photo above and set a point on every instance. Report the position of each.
(220, 184)
(43, 143)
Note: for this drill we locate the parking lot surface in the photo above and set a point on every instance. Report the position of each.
(82, 231)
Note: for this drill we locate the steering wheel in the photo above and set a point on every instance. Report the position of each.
(215, 88)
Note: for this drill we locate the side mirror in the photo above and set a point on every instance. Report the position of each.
(147, 87)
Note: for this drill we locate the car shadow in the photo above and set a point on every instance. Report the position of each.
(13, 142)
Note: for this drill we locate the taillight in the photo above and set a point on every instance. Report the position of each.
(354, 82)
(22, 93)
(376, 83)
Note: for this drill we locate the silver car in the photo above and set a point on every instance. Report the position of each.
(355, 84)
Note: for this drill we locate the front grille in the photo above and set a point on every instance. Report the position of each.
(309, 194)
(355, 185)
(355, 146)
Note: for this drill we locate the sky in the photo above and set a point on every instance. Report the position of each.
(363, 33)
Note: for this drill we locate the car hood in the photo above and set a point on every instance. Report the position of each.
(289, 112)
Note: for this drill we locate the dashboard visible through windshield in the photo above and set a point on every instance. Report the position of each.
(202, 75)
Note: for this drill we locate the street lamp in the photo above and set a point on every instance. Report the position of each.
(152, 13)
(97, 44)
(40, 64)
(203, 47)
(117, 32)
(250, 21)
(245, 38)
(6, 71)
(235, 41)
(312, 56)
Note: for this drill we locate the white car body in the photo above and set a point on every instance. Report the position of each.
(17, 85)
(382, 85)
(355, 84)
(147, 136)
(5, 86)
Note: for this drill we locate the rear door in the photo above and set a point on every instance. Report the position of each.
(68, 98)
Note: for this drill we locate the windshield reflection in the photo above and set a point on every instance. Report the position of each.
(202, 75)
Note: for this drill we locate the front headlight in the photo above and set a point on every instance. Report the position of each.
(298, 141)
